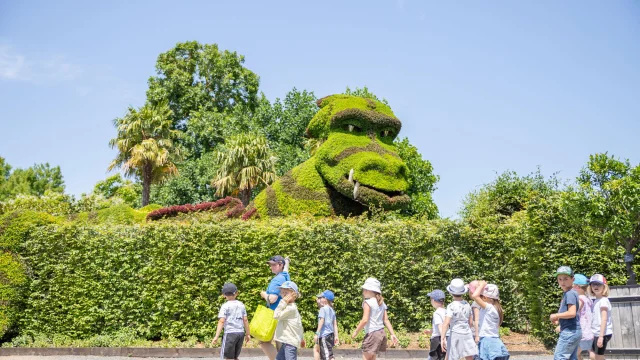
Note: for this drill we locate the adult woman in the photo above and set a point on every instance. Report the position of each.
(280, 268)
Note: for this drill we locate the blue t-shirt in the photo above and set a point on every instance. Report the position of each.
(570, 298)
(329, 315)
(274, 287)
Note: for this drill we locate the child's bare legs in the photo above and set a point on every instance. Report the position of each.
(316, 352)
(367, 356)
(269, 350)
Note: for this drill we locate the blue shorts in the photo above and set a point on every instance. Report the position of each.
(287, 352)
(586, 344)
(567, 346)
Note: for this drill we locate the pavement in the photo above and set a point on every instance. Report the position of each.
(71, 357)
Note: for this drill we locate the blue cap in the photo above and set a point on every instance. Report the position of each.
(437, 295)
(579, 279)
(327, 294)
(278, 259)
(290, 285)
(229, 288)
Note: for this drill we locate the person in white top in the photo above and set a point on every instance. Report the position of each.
(289, 330)
(458, 315)
(374, 320)
(435, 349)
(490, 347)
(601, 324)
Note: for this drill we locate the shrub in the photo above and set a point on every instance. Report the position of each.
(171, 211)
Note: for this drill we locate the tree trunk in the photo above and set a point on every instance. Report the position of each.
(146, 184)
(245, 196)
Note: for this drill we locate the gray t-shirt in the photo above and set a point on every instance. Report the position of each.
(234, 313)
(329, 315)
(570, 298)
(459, 312)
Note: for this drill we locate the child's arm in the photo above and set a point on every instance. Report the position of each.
(569, 314)
(603, 325)
(320, 324)
(218, 330)
(366, 311)
(387, 323)
(283, 311)
(336, 341)
(476, 317)
(247, 330)
(443, 333)
(476, 294)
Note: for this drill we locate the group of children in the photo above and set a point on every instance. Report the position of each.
(583, 323)
(459, 330)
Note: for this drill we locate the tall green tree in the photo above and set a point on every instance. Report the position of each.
(35, 180)
(246, 163)
(610, 190)
(192, 185)
(422, 181)
(146, 145)
(115, 186)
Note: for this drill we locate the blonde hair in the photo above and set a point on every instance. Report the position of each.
(605, 290)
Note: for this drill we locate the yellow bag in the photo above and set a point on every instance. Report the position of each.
(263, 325)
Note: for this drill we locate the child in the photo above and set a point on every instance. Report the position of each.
(327, 332)
(601, 324)
(289, 330)
(316, 347)
(233, 316)
(458, 315)
(437, 301)
(568, 317)
(475, 311)
(580, 285)
(374, 320)
(487, 296)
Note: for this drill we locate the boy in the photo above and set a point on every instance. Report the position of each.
(327, 333)
(567, 317)
(437, 301)
(289, 330)
(233, 316)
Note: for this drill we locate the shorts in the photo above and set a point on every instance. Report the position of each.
(287, 352)
(567, 346)
(375, 342)
(586, 344)
(596, 349)
(231, 345)
(435, 350)
(492, 348)
(326, 346)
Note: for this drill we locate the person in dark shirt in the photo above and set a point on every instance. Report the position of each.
(568, 318)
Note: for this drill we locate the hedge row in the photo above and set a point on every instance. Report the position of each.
(162, 279)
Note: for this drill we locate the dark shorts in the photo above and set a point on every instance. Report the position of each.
(287, 352)
(435, 350)
(232, 345)
(375, 342)
(326, 346)
(596, 349)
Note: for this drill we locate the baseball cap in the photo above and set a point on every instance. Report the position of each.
(437, 295)
(290, 285)
(491, 291)
(579, 279)
(278, 259)
(564, 270)
(598, 279)
(327, 294)
(229, 288)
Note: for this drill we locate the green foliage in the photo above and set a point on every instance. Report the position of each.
(192, 185)
(17, 226)
(364, 93)
(53, 203)
(35, 180)
(422, 181)
(504, 331)
(116, 187)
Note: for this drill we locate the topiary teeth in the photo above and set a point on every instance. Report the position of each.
(351, 176)
(355, 190)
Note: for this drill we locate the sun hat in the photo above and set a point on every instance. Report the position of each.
(598, 279)
(290, 285)
(437, 295)
(579, 279)
(327, 294)
(457, 287)
(472, 286)
(564, 270)
(372, 284)
(491, 291)
(277, 259)
(229, 288)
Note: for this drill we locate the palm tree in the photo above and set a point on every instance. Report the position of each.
(245, 162)
(146, 146)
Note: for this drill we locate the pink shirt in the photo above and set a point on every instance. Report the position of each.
(585, 317)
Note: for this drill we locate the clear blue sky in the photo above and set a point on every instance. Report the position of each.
(481, 87)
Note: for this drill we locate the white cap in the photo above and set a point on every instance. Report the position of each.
(457, 287)
(491, 291)
(372, 284)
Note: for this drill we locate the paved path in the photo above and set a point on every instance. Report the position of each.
(244, 358)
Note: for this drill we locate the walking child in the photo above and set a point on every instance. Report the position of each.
(487, 296)
(581, 285)
(568, 317)
(327, 333)
(601, 324)
(458, 315)
(289, 330)
(436, 332)
(233, 317)
(374, 320)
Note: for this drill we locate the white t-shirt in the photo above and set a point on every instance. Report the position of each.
(438, 319)
(459, 312)
(598, 304)
(489, 323)
(376, 316)
(233, 313)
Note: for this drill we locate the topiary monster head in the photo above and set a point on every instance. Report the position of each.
(358, 158)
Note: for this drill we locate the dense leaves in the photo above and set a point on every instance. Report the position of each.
(35, 180)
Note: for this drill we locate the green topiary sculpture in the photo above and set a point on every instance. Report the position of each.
(355, 167)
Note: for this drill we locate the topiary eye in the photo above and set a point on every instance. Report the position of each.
(351, 128)
(386, 133)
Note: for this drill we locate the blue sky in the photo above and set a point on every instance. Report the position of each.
(481, 87)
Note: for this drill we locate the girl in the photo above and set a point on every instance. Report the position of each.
(487, 297)
(280, 268)
(580, 285)
(289, 331)
(374, 319)
(327, 333)
(601, 324)
(458, 315)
